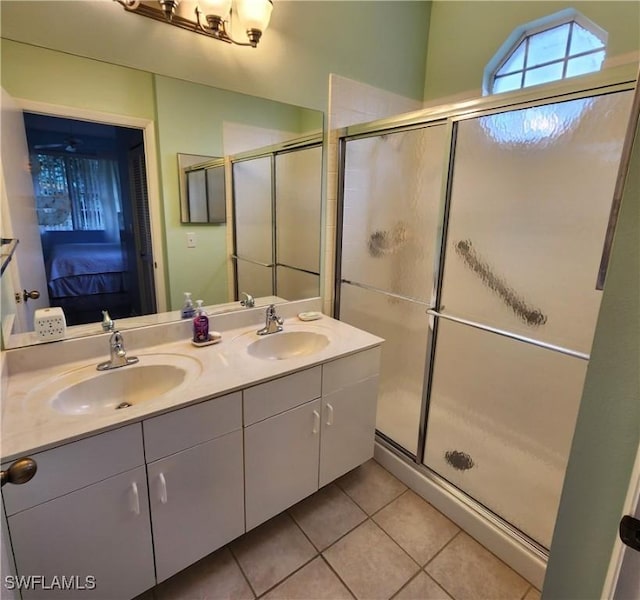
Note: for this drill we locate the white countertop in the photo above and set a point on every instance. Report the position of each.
(30, 424)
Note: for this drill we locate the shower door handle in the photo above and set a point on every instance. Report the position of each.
(630, 532)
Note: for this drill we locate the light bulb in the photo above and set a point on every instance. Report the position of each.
(254, 14)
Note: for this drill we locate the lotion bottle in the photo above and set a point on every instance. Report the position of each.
(188, 310)
(200, 325)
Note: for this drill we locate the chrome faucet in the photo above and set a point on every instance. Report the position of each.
(248, 301)
(273, 322)
(118, 354)
(107, 322)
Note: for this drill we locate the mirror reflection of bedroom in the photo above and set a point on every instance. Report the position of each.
(92, 212)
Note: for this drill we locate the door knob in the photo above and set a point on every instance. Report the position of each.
(20, 471)
(33, 294)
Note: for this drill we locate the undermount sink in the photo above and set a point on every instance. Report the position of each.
(86, 391)
(287, 344)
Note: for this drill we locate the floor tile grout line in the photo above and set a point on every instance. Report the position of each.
(289, 576)
(438, 554)
(526, 592)
(407, 583)
(337, 575)
(246, 578)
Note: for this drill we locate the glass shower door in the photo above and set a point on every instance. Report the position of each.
(529, 205)
(391, 212)
(298, 205)
(253, 223)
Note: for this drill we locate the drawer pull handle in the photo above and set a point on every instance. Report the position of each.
(316, 422)
(136, 498)
(163, 489)
(329, 415)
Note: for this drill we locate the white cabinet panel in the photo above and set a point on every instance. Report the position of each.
(187, 427)
(273, 397)
(72, 466)
(102, 531)
(351, 369)
(197, 500)
(281, 461)
(348, 429)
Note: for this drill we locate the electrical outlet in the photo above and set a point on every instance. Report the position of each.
(191, 239)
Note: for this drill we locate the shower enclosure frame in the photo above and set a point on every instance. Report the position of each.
(271, 152)
(495, 532)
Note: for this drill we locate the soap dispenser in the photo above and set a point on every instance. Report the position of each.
(188, 310)
(200, 325)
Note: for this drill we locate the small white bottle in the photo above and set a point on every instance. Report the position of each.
(188, 310)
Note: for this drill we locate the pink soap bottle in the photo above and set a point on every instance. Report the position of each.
(200, 325)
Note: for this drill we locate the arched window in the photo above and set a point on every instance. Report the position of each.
(555, 47)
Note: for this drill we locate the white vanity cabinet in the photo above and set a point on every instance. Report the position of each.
(84, 516)
(304, 430)
(282, 443)
(196, 486)
(349, 394)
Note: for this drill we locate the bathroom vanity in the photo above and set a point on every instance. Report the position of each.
(125, 498)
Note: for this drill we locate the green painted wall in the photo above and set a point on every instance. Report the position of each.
(48, 76)
(379, 42)
(190, 120)
(608, 427)
(465, 35)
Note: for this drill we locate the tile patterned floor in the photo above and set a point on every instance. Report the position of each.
(367, 537)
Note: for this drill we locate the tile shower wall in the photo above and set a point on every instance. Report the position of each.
(350, 102)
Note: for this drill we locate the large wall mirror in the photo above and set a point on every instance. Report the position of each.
(190, 118)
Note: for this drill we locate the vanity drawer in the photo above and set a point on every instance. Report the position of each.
(349, 370)
(190, 426)
(274, 397)
(76, 465)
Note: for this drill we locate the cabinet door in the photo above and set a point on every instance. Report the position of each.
(197, 502)
(281, 461)
(101, 532)
(348, 428)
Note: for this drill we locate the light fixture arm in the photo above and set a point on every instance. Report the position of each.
(210, 25)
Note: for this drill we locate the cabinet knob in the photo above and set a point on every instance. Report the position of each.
(20, 471)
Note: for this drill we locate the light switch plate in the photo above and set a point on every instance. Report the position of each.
(191, 239)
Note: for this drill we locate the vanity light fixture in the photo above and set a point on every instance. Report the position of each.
(208, 17)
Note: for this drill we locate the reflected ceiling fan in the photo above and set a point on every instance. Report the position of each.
(70, 144)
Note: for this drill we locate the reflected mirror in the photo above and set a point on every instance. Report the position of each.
(202, 189)
(200, 264)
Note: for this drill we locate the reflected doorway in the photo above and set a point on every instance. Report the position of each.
(92, 209)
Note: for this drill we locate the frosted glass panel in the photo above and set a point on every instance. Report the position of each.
(296, 285)
(528, 218)
(196, 192)
(515, 62)
(583, 40)
(501, 418)
(543, 74)
(254, 279)
(404, 326)
(585, 64)
(392, 195)
(216, 195)
(298, 199)
(252, 204)
(548, 45)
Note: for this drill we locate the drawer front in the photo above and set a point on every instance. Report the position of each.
(76, 465)
(350, 369)
(274, 397)
(187, 427)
